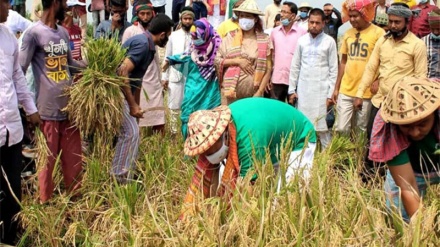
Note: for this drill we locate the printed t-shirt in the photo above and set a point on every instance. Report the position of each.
(358, 52)
(49, 51)
(75, 41)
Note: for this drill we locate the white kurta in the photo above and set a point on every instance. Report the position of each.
(151, 84)
(179, 42)
(313, 75)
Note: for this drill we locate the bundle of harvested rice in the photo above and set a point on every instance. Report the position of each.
(96, 100)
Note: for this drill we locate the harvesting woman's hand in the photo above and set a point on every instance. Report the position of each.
(246, 66)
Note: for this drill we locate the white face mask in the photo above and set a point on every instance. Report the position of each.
(246, 24)
(220, 155)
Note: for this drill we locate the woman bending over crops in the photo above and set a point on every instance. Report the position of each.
(409, 125)
(242, 134)
(244, 59)
(202, 90)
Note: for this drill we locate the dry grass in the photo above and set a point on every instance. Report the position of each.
(336, 209)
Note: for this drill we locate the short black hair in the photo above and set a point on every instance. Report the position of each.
(47, 3)
(160, 23)
(142, 2)
(187, 8)
(278, 17)
(317, 12)
(327, 4)
(118, 3)
(292, 6)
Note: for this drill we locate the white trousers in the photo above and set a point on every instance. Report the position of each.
(346, 114)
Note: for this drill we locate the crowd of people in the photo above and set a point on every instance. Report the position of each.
(242, 85)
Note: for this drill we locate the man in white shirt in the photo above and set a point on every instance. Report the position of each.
(14, 91)
(17, 23)
(173, 80)
(313, 74)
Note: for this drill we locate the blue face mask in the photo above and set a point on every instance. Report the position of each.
(303, 14)
(436, 37)
(285, 22)
(423, 1)
(198, 42)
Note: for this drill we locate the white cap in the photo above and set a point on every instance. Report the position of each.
(71, 3)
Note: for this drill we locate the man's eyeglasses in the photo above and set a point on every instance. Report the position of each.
(285, 12)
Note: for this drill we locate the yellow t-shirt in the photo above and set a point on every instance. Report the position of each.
(358, 52)
(226, 27)
(410, 3)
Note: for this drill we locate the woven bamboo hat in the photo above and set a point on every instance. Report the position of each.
(205, 127)
(249, 6)
(410, 100)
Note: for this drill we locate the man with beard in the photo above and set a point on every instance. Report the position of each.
(173, 80)
(151, 84)
(396, 55)
(117, 25)
(332, 24)
(140, 53)
(270, 12)
(46, 46)
(313, 73)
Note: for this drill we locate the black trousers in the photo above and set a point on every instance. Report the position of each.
(175, 10)
(10, 160)
(279, 92)
(160, 9)
(372, 167)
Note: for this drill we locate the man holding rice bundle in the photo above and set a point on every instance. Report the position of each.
(242, 134)
(140, 53)
(152, 101)
(46, 46)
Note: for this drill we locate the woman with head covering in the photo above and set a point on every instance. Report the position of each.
(202, 90)
(244, 60)
(409, 124)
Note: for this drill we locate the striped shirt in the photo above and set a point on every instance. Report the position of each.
(433, 51)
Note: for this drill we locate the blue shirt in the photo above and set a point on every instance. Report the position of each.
(433, 51)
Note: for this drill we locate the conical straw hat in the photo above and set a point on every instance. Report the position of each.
(249, 6)
(205, 127)
(410, 100)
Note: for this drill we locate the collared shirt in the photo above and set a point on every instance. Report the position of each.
(331, 27)
(13, 90)
(418, 23)
(17, 23)
(313, 74)
(433, 50)
(270, 13)
(284, 45)
(393, 61)
(105, 30)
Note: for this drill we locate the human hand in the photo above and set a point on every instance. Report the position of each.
(268, 87)
(165, 84)
(357, 103)
(329, 102)
(335, 96)
(259, 93)
(136, 111)
(35, 119)
(246, 66)
(292, 98)
(374, 87)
